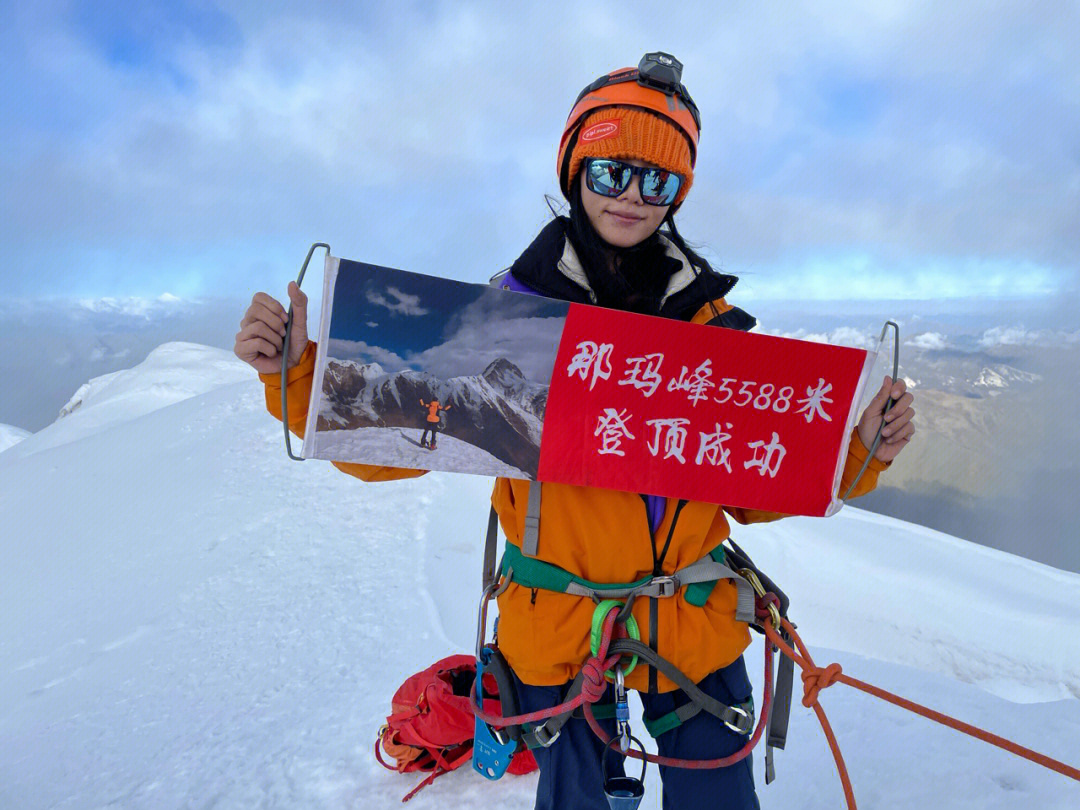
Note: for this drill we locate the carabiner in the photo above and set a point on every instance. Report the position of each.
(481, 619)
(622, 709)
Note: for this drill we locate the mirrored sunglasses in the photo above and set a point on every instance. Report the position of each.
(611, 178)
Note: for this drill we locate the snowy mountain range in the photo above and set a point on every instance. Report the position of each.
(189, 619)
(971, 375)
(498, 410)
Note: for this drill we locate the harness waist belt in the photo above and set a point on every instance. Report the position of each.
(699, 579)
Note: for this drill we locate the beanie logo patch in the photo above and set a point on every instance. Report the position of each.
(601, 131)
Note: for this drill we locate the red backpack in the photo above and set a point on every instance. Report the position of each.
(431, 726)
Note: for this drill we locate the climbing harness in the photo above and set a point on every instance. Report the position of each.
(616, 648)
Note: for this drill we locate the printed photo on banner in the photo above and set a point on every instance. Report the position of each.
(428, 373)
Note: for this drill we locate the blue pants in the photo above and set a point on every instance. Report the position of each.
(570, 769)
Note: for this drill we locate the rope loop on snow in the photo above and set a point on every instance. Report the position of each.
(816, 678)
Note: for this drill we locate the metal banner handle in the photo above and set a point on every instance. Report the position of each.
(888, 404)
(285, 354)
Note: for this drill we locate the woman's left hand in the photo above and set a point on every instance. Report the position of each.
(898, 429)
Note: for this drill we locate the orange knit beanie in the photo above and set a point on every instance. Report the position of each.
(629, 133)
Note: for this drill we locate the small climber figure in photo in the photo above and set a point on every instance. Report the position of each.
(433, 422)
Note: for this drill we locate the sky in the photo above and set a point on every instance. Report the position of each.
(898, 150)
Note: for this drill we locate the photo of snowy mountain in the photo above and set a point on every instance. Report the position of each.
(428, 373)
(498, 413)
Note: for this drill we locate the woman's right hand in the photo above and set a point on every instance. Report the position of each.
(262, 331)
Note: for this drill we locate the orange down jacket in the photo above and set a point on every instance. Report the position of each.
(433, 407)
(604, 536)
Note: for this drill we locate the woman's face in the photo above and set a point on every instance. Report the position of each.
(626, 220)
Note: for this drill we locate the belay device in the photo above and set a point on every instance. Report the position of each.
(491, 755)
(492, 750)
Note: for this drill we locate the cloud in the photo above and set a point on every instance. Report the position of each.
(195, 159)
(1019, 336)
(403, 303)
(52, 346)
(928, 341)
(102, 353)
(823, 275)
(361, 350)
(530, 343)
(135, 306)
(838, 336)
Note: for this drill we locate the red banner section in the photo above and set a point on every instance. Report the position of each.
(651, 405)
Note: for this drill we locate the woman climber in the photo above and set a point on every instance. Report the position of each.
(625, 165)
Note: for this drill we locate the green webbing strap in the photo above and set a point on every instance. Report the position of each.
(676, 718)
(533, 573)
(672, 719)
(699, 578)
(530, 541)
(697, 594)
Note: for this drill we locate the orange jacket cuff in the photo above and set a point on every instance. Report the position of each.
(860, 451)
(304, 366)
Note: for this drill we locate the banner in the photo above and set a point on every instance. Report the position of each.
(422, 372)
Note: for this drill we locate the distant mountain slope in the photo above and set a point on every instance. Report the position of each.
(995, 456)
(170, 373)
(10, 436)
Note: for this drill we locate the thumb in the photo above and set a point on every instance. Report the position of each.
(299, 301)
(877, 404)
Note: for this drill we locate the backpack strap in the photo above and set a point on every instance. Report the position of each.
(780, 712)
(491, 544)
(530, 541)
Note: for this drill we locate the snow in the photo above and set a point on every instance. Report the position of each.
(189, 619)
(171, 373)
(400, 447)
(1000, 377)
(10, 436)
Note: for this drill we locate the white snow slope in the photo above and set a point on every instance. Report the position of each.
(400, 447)
(189, 619)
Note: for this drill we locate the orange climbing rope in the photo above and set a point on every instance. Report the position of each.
(817, 678)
